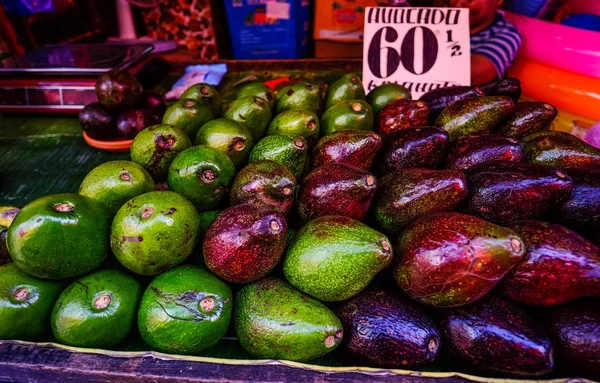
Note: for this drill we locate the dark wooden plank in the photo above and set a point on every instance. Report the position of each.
(182, 57)
(28, 362)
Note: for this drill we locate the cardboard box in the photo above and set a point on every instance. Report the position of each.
(340, 20)
(268, 29)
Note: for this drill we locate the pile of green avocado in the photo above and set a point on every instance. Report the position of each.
(454, 229)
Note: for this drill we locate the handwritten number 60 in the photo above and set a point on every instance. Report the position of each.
(407, 53)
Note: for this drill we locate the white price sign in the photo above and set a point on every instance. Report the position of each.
(419, 48)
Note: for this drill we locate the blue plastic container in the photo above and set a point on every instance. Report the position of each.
(584, 21)
(263, 29)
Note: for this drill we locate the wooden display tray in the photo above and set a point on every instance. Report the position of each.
(49, 362)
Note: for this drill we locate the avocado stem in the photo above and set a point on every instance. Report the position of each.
(147, 212)
(207, 304)
(516, 245)
(64, 207)
(125, 176)
(275, 226)
(208, 176)
(329, 341)
(385, 245)
(432, 346)
(102, 302)
(239, 144)
(21, 294)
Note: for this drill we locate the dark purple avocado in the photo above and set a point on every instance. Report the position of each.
(528, 118)
(244, 243)
(352, 147)
(97, 121)
(336, 189)
(401, 114)
(422, 147)
(582, 209)
(574, 329)
(384, 329)
(504, 191)
(559, 266)
(508, 86)
(479, 148)
(131, 122)
(495, 337)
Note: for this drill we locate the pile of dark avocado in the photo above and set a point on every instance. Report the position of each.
(451, 232)
(123, 108)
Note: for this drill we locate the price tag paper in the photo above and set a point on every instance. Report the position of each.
(419, 48)
(277, 10)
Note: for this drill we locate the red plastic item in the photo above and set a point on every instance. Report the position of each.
(116, 145)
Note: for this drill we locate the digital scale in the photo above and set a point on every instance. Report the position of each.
(60, 78)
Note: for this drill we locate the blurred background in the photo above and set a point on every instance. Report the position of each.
(217, 29)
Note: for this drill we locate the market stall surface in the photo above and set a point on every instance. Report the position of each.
(41, 155)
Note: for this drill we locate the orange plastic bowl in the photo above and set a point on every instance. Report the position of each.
(116, 145)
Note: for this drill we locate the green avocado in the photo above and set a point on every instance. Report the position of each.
(405, 195)
(96, 311)
(296, 122)
(287, 150)
(203, 175)
(560, 149)
(228, 137)
(206, 218)
(60, 236)
(258, 89)
(379, 97)
(154, 232)
(333, 257)
(528, 118)
(7, 215)
(188, 114)
(474, 115)
(185, 310)
(155, 147)
(280, 93)
(25, 303)
(348, 87)
(207, 95)
(301, 96)
(345, 115)
(253, 112)
(116, 182)
(273, 320)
